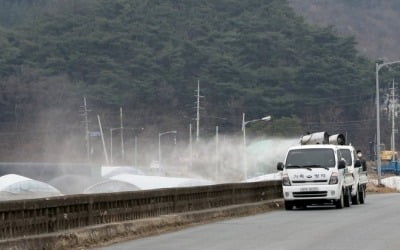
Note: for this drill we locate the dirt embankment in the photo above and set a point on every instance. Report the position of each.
(373, 187)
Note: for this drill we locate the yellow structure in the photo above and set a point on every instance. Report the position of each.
(387, 155)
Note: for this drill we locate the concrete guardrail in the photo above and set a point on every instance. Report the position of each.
(27, 219)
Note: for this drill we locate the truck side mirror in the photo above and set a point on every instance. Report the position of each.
(342, 164)
(279, 166)
(357, 164)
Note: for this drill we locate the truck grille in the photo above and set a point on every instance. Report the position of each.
(310, 194)
(314, 181)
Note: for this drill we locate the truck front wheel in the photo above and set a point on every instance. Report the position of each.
(355, 200)
(347, 197)
(340, 203)
(288, 205)
(361, 192)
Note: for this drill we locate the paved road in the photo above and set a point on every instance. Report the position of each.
(374, 225)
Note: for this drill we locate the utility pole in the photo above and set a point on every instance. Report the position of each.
(122, 135)
(216, 153)
(111, 147)
(198, 96)
(135, 151)
(244, 146)
(86, 122)
(102, 140)
(378, 123)
(393, 111)
(190, 146)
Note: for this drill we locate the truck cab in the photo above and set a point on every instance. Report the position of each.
(316, 173)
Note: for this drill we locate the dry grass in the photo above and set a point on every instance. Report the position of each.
(372, 188)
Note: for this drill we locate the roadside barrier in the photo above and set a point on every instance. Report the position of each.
(56, 214)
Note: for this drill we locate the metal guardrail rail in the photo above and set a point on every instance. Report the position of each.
(49, 215)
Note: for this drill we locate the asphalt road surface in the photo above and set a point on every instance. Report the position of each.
(374, 225)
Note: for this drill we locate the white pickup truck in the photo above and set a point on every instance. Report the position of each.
(317, 173)
(356, 168)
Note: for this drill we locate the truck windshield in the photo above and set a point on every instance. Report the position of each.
(311, 158)
(346, 155)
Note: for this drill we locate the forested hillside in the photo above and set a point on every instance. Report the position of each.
(373, 23)
(252, 56)
(15, 12)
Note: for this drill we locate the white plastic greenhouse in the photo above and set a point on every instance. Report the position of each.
(14, 186)
(155, 182)
(110, 186)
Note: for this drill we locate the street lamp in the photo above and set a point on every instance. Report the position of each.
(244, 123)
(159, 144)
(378, 129)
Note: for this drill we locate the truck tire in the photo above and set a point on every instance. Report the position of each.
(340, 203)
(355, 200)
(347, 198)
(301, 206)
(288, 205)
(362, 194)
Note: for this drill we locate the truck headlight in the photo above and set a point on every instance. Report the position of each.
(285, 180)
(334, 178)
